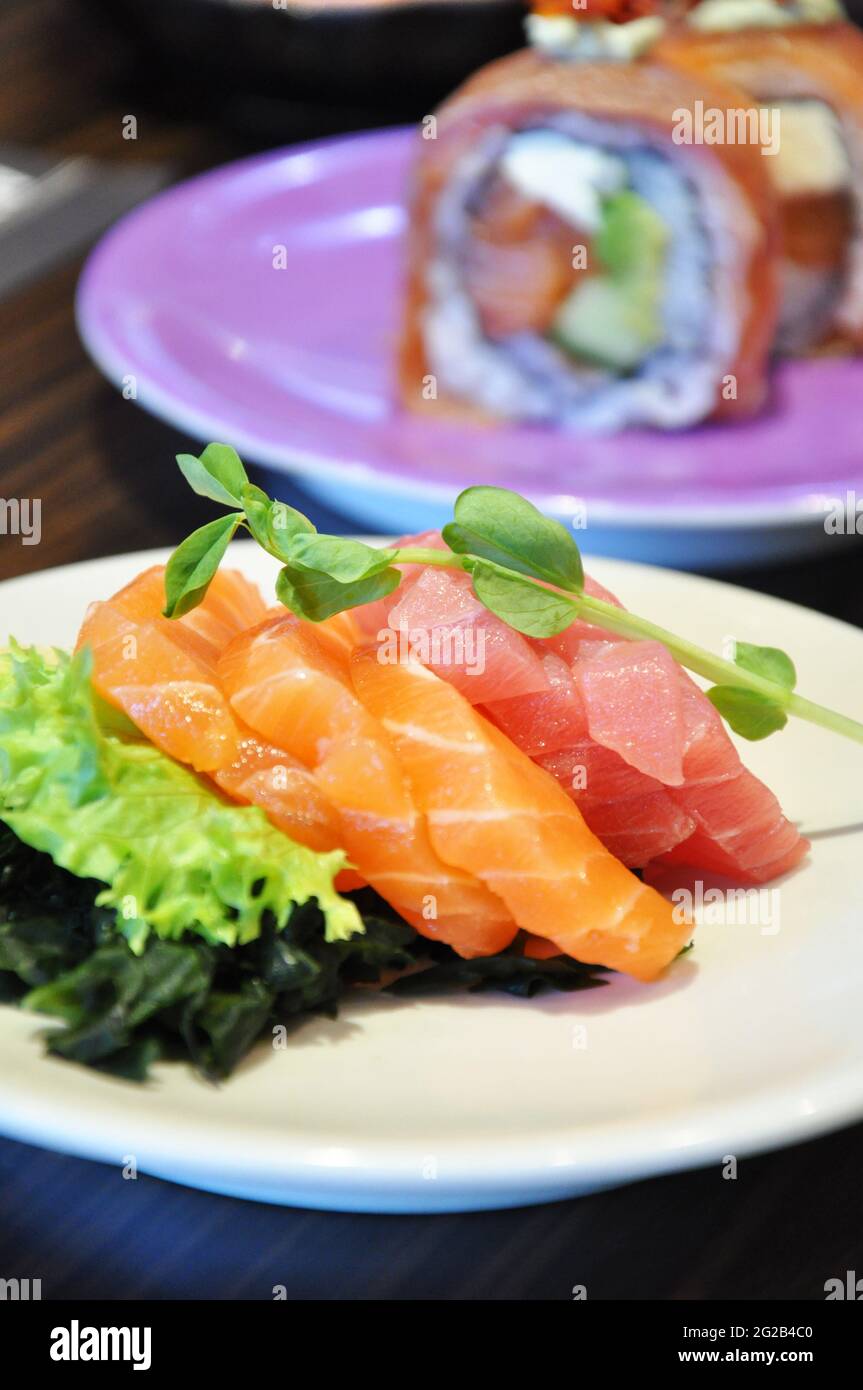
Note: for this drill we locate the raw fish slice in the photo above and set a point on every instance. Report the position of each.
(371, 618)
(266, 776)
(284, 682)
(633, 815)
(673, 740)
(546, 721)
(637, 820)
(162, 673)
(341, 629)
(454, 635)
(740, 828)
(494, 812)
(633, 702)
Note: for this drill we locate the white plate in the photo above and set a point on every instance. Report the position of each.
(752, 1041)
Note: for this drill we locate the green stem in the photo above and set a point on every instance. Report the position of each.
(714, 668)
(825, 718)
(420, 555)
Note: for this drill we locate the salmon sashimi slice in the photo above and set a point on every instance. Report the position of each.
(162, 674)
(493, 812)
(341, 629)
(266, 776)
(291, 686)
(537, 948)
(161, 671)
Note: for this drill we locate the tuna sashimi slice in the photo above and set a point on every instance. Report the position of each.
(633, 815)
(370, 618)
(441, 622)
(633, 703)
(630, 812)
(548, 720)
(740, 828)
(627, 718)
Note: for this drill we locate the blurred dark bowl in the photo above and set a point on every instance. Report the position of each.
(248, 60)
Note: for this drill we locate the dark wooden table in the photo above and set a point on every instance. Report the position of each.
(102, 469)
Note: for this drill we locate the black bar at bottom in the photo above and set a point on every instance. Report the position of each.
(232, 1339)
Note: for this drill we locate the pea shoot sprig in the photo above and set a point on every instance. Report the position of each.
(524, 567)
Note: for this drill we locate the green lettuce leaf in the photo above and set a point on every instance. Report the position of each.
(103, 803)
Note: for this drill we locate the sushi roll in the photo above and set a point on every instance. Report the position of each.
(802, 61)
(572, 262)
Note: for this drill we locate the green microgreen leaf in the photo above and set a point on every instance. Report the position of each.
(344, 560)
(770, 662)
(315, 595)
(500, 526)
(193, 564)
(528, 607)
(751, 715)
(218, 474)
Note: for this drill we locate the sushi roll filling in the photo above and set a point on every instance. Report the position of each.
(575, 279)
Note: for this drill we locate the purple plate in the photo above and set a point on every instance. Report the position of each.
(295, 367)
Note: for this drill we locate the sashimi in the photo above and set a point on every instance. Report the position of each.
(370, 618)
(289, 684)
(162, 674)
(627, 734)
(634, 815)
(266, 776)
(631, 813)
(566, 644)
(441, 620)
(633, 702)
(493, 812)
(546, 721)
(739, 826)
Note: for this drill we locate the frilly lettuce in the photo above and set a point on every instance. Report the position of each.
(79, 783)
